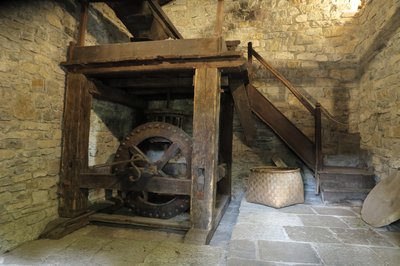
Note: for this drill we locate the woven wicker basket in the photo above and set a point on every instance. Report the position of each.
(275, 187)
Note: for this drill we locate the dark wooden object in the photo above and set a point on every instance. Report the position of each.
(205, 150)
(73, 200)
(243, 110)
(225, 143)
(155, 184)
(318, 146)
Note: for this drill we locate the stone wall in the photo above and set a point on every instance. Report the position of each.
(33, 41)
(379, 116)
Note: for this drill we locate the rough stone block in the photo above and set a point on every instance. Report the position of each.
(322, 221)
(334, 211)
(242, 249)
(311, 234)
(331, 254)
(360, 237)
(287, 252)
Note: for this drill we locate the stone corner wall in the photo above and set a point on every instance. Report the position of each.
(379, 91)
(33, 41)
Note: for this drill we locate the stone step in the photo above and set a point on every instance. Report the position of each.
(352, 196)
(344, 160)
(345, 185)
(346, 178)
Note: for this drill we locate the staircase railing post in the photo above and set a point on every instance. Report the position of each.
(250, 54)
(318, 145)
(250, 64)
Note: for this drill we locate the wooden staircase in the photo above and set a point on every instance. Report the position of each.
(337, 184)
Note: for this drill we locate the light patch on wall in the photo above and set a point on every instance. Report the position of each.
(355, 5)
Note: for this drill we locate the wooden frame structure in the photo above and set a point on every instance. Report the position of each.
(205, 69)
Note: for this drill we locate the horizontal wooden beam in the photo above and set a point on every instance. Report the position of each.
(154, 184)
(140, 221)
(165, 49)
(227, 65)
(154, 82)
(103, 92)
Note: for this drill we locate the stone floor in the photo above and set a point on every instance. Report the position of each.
(249, 234)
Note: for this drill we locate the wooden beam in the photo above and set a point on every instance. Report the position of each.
(319, 157)
(140, 221)
(105, 93)
(83, 23)
(155, 82)
(243, 110)
(225, 142)
(205, 147)
(76, 123)
(220, 19)
(190, 48)
(229, 65)
(155, 184)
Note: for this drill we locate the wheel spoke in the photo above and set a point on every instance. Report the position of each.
(135, 150)
(168, 154)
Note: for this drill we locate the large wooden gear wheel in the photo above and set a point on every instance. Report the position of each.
(155, 149)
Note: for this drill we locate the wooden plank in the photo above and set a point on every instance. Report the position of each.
(278, 161)
(157, 82)
(156, 184)
(77, 106)
(83, 23)
(243, 110)
(147, 50)
(235, 65)
(61, 227)
(105, 93)
(140, 221)
(205, 146)
(225, 142)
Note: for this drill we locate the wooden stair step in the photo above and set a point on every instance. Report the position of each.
(344, 195)
(338, 170)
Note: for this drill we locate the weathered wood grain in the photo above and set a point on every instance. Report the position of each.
(243, 110)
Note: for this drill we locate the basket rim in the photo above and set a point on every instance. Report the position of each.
(275, 169)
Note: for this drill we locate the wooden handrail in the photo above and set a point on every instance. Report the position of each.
(286, 82)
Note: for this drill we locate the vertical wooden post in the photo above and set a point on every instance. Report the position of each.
(205, 153)
(220, 19)
(83, 23)
(250, 53)
(225, 142)
(73, 200)
(318, 145)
